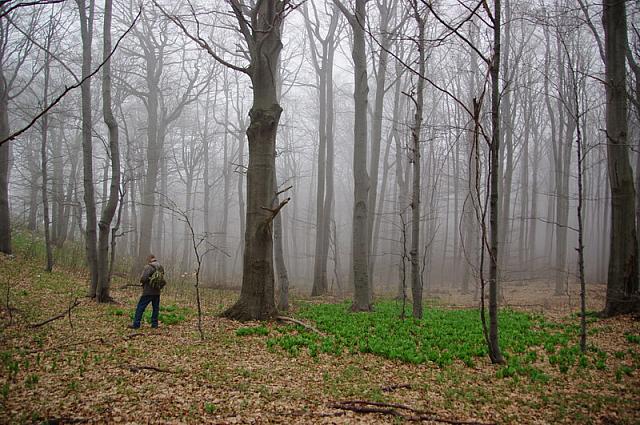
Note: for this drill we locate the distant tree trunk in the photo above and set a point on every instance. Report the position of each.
(278, 254)
(226, 173)
(91, 237)
(327, 215)
(322, 60)
(43, 155)
(57, 183)
(5, 151)
(507, 118)
(362, 298)
(386, 9)
(207, 270)
(109, 210)
(34, 174)
(68, 228)
(533, 214)
(622, 280)
(386, 168)
(471, 208)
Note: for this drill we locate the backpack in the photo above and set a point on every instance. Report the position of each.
(156, 280)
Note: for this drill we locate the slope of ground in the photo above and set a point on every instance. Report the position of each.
(87, 367)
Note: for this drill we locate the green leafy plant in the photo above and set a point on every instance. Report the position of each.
(31, 381)
(634, 339)
(442, 337)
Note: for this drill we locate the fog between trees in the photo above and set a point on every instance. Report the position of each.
(182, 118)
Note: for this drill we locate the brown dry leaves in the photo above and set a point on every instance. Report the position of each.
(91, 369)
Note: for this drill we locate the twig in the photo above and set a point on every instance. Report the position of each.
(283, 191)
(136, 369)
(297, 322)
(394, 387)
(394, 409)
(59, 316)
(129, 285)
(133, 335)
(70, 88)
(65, 420)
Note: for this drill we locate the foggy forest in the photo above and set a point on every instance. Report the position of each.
(375, 200)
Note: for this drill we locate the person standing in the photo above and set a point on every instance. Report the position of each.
(150, 293)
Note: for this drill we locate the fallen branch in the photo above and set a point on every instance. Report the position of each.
(130, 285)
(136, 369)
(394, 409)
(394, 387)
(65, 420)
(59, 316)
(297, 322)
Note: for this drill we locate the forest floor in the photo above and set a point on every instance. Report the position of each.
(87, 367)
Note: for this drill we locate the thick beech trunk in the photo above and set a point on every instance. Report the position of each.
(622, 280)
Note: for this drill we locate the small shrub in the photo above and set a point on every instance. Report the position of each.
(32, 381)
(634, 339)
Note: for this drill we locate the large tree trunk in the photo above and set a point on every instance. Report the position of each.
(622, 283)
(109, 210)
(91, 239)
(257, 293)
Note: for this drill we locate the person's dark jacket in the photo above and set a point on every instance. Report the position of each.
(144, 279)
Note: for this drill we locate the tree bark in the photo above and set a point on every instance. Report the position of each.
(91, 238)
(362, 297)
(493, 342)
(622, 279)
(416, 278)
(5, 152)
(257, 293)
(109, 210)
(44, 132)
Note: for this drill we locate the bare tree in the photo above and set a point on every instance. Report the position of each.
(362, 297)
(109, 210)
(322, 60)
(260, 25)
(416, 129)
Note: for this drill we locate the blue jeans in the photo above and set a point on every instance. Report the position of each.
(142, 305)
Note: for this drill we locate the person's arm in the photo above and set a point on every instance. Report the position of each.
(146, 274)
